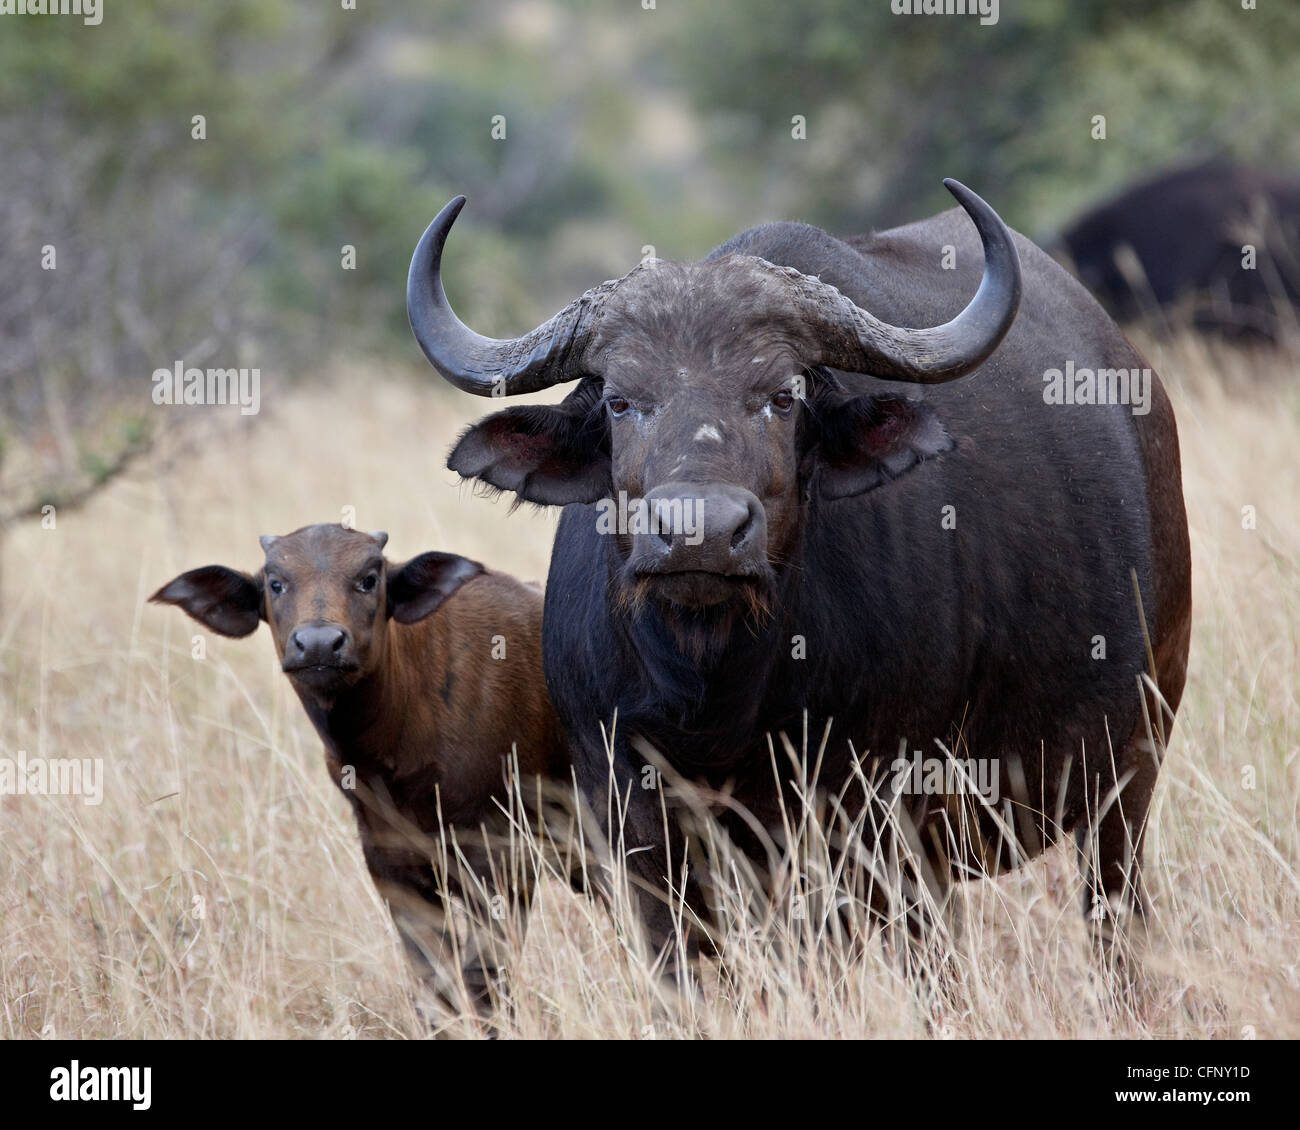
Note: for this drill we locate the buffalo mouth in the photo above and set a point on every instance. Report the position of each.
(700, 589)
(320, 675)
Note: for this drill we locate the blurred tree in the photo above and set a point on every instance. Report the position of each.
(118, 258)
(894, 103)
(583, 132)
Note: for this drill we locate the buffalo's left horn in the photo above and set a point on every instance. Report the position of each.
(550, 354)
(857, 342)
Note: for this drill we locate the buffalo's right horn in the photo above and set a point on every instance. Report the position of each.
(550, 354)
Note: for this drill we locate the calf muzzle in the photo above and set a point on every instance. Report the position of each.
(319, 647)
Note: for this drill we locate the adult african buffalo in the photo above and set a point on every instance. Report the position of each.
(1222, 239)
(920, 557)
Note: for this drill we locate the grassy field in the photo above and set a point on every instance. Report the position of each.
(219, 890)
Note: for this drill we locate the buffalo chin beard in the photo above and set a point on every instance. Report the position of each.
(702, 610)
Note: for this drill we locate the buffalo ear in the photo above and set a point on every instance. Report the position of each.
(225, 600)
(550, 455)
(868, 441)
(423, 583)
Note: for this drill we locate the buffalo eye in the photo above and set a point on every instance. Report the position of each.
(783, 400)
(368, 582)
(617, 405)
(276, 586)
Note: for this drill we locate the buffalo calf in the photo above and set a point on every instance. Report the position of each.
(421, 680)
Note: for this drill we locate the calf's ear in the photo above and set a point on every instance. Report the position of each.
(423, 583)
(225, 600)
(868, 441)
(550, 455)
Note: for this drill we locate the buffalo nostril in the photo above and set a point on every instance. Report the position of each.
(749, 528)
(297, 642)
(661, 525)
(339, 640)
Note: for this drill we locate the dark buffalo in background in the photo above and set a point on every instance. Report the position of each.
(1178, 239)
(828, 447)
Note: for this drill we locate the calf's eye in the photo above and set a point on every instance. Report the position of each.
(783, 400)
(617, 405)
(368, 582)
(275, 586)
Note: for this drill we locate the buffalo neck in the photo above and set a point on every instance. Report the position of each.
(716, 696)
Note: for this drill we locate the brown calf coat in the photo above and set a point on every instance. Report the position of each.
(420, 714)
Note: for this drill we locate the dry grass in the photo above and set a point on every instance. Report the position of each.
(216, 798)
